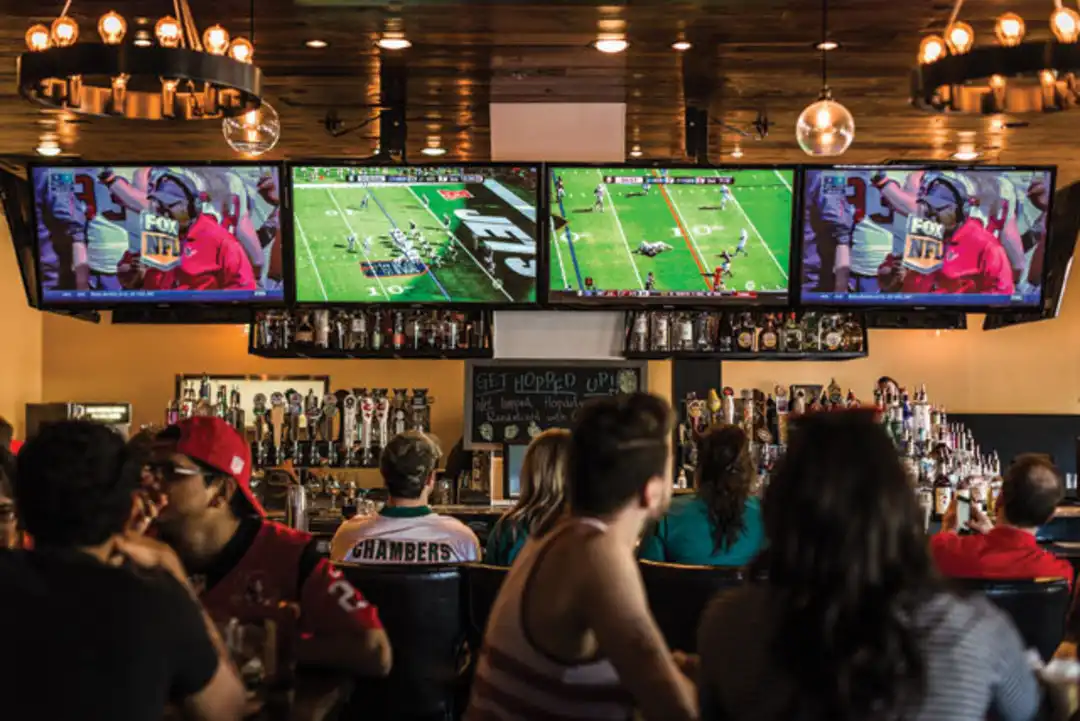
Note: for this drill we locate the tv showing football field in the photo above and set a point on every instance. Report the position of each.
(622, 235)
(462, 234)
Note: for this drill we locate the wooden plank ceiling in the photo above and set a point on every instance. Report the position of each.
(748, 55)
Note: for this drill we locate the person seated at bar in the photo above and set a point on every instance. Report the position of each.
(570, 634)
(1030, 492)
(542, 501)
(243, 563)
(852, 621)
(114, 615)
(406, 530)
(719, 525)
(9, 531)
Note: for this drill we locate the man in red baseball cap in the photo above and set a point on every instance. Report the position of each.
(244, 563)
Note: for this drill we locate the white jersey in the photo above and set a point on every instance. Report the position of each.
(743, 237)
(876, 224)
(111, 229)
(231, 198)
(998, 203)
(404, 535)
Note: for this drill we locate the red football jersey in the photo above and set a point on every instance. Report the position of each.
(269, 573)
(974, 262)
(213, 259)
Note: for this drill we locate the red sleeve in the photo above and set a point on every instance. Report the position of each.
(947, 550)
(157, 279)
(236, 272)
(330, 604)
(997, 271)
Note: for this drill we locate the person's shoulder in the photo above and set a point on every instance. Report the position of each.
(732, 610)
(355, 524)
(972, 616)
(454, 525)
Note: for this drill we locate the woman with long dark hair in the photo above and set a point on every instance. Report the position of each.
(719, 525)
(852, 623)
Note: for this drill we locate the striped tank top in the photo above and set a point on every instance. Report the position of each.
(516, 681)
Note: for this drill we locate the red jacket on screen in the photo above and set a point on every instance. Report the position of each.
(1003, 553)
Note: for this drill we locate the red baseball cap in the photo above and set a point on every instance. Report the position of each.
(214, 442)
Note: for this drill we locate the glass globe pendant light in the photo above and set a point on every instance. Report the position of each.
(825, 128)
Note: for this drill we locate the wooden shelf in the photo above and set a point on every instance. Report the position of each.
(384, 354)
(717, 356)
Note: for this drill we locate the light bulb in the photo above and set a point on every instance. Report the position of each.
(825, 128)
(611, 45)
(216, 40)
(37, 38)
(250, 120)
(931, 49)
(1065, 22)
(142, 39)
(1009, 29)
(681, 46)
(635, 151)
(393, 41)
(111, 27)
(64, 32)
(48, 148)
(167, 31)
(254, 132)
(960, 37)
(434, 151)
(997, 82)
(241, 49)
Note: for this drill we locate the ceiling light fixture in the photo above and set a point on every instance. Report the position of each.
(434, 151)
(187, 77)
(393, 41)
(635, 151)
(965, 147)
(48, 147)
(316, 44)
(681, 46)
(611, 44)
(827, 45)
(1012, 75)
(737, 151)
(825, 128)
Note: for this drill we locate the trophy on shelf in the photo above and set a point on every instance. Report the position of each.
(348, 428)
(259, 411)
(277, 421)
(421, 410)
(331, 425)
(382, 417)
(398, 409)
(313, 413)
(367, 416)
(296, 420)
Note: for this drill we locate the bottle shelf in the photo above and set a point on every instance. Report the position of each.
(385, 354)
(737, 356)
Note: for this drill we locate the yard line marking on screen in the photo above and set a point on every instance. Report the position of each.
(494, 283)
(783, 180)
(699, 258)
(760, 237)
(558, 254)
(345, 219)
(310, 255)
(393, 224)
(625, 242)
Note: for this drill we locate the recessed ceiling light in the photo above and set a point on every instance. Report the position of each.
(316, 44)
(393, 41)
(635, 152)
(143, 39)
(611, 45)
(681, 45)
(434, 151)
(966, 155)
(48, 148)
(827, 45)
(736, 152)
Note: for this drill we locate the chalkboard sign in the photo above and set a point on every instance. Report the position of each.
(512, 401)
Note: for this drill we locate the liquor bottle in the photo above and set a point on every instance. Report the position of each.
(358, 333)
(340, 337)
(284, 339)
(397, 338)
(745, 334)
(204, 388)
(172, 413)
(769, 339)
(322, 329)
(791, 340)
(480, 337)
(451, 330)
(221, 405)
(853, 333)
(639, 332)
(376, 331)
(811, 331)
(305, 332)
(832, 336)
(943, 492)
(660, 340)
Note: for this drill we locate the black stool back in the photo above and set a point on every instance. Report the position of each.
(678, 594)
(422, 611)
(1036, 606)
(482, 584)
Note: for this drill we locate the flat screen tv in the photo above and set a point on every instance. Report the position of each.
(115, 235)
(16, 201)
(924, 236)
(416, 235)
(670, 235)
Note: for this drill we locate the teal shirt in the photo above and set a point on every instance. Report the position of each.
(685, 535)
(502, 546)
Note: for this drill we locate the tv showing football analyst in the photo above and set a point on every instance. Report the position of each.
(674, 235)
(925, 236)
(436, 234)
(110, 235)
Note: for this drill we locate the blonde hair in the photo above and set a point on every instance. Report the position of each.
(543, 484)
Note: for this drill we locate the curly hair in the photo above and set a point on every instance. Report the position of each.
(725, 476)
(849, 564)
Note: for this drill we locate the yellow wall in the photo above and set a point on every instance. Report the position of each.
(20, 340)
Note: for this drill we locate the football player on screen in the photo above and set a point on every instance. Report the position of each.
(598, 202)
(973, 261)
(827, 231)
(61, 232)
(740, 249)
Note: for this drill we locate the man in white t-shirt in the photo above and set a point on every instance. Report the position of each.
(406, 530)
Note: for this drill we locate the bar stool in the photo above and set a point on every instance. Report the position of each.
(678, 595)
(1036, 606)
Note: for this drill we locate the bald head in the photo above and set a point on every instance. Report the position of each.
(1030, 491)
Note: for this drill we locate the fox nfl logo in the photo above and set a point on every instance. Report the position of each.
(160, 242)
(923, 254)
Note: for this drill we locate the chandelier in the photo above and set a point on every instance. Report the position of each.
(172, 73)
(1012, 75)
